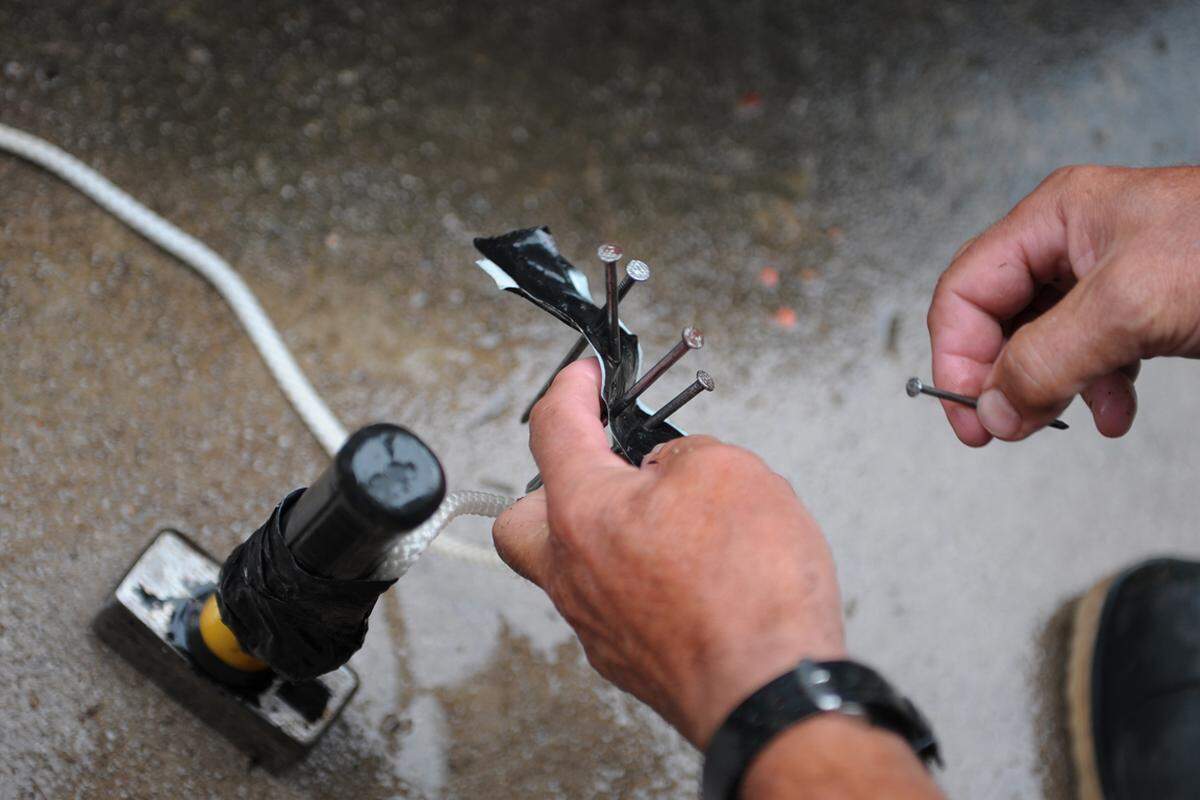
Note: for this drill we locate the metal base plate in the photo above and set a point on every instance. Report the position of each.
(272, 725)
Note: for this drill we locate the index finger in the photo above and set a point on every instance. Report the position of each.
(565, 433)
(991, 280)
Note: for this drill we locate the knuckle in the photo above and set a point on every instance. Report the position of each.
(560, 379)
(1130, 308)
(933, 317)
(1082, 180)
(500, 528)
(1068, 186)
(545, 411)
(1062, 175)
(1072, 175)
(707, 459)
(723, 465)
(743, 460)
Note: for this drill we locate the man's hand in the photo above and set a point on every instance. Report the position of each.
(1095, 270)
(691, 582)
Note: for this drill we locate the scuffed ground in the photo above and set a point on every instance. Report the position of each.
(341, 156)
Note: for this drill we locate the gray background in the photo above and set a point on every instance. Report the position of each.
(342, 156)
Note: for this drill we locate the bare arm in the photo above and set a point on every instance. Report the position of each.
(834, 756)
(691, 582)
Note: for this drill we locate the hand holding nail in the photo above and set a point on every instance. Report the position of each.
(915, 387)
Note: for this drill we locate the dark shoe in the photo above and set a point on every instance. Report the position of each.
(1133, 685)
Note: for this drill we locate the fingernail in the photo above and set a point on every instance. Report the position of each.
(657, 448)
(998, 415)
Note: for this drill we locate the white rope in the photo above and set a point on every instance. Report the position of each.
(300, 393)
(408, 549)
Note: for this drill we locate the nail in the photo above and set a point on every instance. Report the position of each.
(915, 387)
(690, 339)
(635, 272)
(610, 254)
(998, 415)
(703, 383)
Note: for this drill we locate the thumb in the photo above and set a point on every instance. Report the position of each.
(1085, 336)
(522, 537)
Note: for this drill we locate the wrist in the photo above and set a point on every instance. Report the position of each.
(732, 674)
(837, 689)
(835, 755)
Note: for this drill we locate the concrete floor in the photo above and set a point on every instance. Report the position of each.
(341, 156)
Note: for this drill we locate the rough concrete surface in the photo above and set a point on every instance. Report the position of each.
(342, 155)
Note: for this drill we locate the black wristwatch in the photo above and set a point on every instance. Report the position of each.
(813, 687)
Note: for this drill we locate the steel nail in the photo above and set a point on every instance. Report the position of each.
(610, 254)
(635, 272)
(690, 339)
(914, 387)
(703, 383)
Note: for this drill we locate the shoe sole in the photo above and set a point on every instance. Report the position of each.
(1079, 689)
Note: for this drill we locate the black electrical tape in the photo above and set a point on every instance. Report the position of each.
(302, 625)
(540, 274)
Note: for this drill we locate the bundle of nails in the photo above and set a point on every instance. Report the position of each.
(691, 339)
(527, 263)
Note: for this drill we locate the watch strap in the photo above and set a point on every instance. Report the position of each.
(811, 688)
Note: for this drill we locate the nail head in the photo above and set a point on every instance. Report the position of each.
(693, 338)
(637, 270)
(609, 253)
(705, 380)
(913, 387)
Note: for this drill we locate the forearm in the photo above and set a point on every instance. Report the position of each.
(835, 756)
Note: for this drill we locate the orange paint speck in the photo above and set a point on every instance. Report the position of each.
(785, 318)
(768, 277)
(750, 99)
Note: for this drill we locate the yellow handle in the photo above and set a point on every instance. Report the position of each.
(221, 641)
